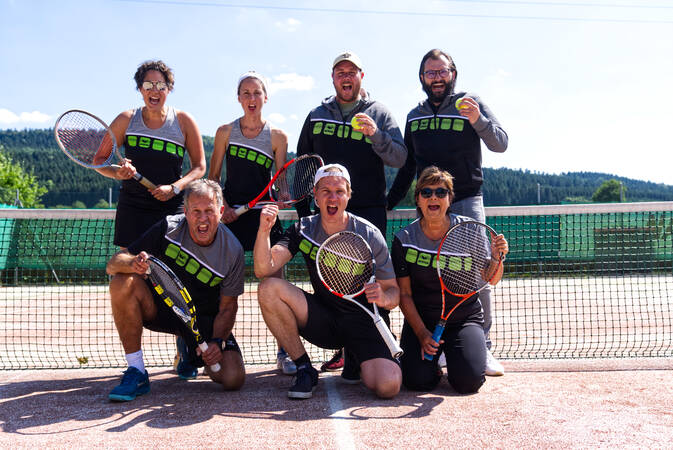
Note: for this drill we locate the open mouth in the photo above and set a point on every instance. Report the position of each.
(433, 207)
(202, 229)
(154, 100)
(347, 88)
(332, 210)
(438, 87)
(252, 107)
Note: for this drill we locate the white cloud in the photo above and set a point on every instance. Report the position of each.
(7, 117)
(276, 118)
(294, 117)
(291, 82)
(290, 25)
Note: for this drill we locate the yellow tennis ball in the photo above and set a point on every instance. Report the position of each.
(355, 123)
(459, 104)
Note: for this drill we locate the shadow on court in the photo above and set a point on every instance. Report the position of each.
(46, 405)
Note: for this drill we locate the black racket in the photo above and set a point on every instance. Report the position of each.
(175, 295)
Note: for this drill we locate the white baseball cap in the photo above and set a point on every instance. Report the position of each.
(339, 172)
(348, 56)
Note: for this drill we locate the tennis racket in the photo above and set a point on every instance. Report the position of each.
(88, 141)
(175, 295)
(345, 264)
(291, 184)
(464, 266)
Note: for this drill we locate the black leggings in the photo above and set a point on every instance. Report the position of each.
(465, 350)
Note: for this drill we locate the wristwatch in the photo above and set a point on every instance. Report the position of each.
(176, 190)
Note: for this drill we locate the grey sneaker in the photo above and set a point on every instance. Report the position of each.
(285, 363)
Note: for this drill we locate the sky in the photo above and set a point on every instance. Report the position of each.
(578, 85)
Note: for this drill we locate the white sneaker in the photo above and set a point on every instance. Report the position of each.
(285, 364)
(442, 360)
(493, 366)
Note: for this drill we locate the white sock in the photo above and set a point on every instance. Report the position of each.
(136, 360)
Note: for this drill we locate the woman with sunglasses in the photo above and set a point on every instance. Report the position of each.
(155, 138)
(250, 148)
(413, 252)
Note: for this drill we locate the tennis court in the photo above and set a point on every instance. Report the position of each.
(583, 322)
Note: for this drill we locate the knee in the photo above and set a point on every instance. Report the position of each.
(268, 289)
(122, 285)
(232, 372)
(388, 386)
(466, 383)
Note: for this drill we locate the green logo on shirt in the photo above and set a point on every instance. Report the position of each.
(191, 265)
(250, 155)
(438, 123)
(339, 130)
(157, 144)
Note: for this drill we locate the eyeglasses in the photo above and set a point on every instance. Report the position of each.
(432, 74)
(439, 192)
(342, 75)
(159, 85)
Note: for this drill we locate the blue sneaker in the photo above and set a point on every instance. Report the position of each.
(184, 368)
(133, 384)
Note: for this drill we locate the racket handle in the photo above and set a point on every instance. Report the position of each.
(215, 367)
(389, 339)
(436, 336)
(144, 181)
(241, 209)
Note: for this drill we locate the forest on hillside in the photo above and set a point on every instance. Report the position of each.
(36, 151)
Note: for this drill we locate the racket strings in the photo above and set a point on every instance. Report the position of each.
(464, 255)
(296, 182)
(345, 264)
(85, 138)
(171, 289)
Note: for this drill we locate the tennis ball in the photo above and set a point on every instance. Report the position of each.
(459, 104)
(82, 360)
(355, 123)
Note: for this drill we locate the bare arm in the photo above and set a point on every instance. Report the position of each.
(118, 128)
(216, 161)
(385, 293)
(125, 262)
(279, 146)
(194, 146)
(267, 259)
(414, 319)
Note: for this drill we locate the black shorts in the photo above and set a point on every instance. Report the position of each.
(327, 327)
(246, 226)
(132, 221)
(167, 322)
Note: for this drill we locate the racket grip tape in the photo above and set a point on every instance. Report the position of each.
(215, 367)
(144, 181)
(395, 349)
(436, 336)
(241, 209)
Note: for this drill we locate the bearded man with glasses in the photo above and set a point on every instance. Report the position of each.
(446, 131)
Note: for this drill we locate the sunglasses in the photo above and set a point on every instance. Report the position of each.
(159, 85)
(439, 192)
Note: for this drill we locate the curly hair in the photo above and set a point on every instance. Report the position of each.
(157, 65)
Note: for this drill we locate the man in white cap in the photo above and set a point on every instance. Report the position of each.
(322, 318)
(351, 129)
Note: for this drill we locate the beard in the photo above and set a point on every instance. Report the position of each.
(438, 97)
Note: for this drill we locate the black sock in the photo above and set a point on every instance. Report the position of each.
(302, 360)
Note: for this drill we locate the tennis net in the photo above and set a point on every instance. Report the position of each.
(581, 281)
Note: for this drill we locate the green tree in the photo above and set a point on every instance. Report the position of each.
(14, 177)
(102, 204)
(609, 191)
(78, 204)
